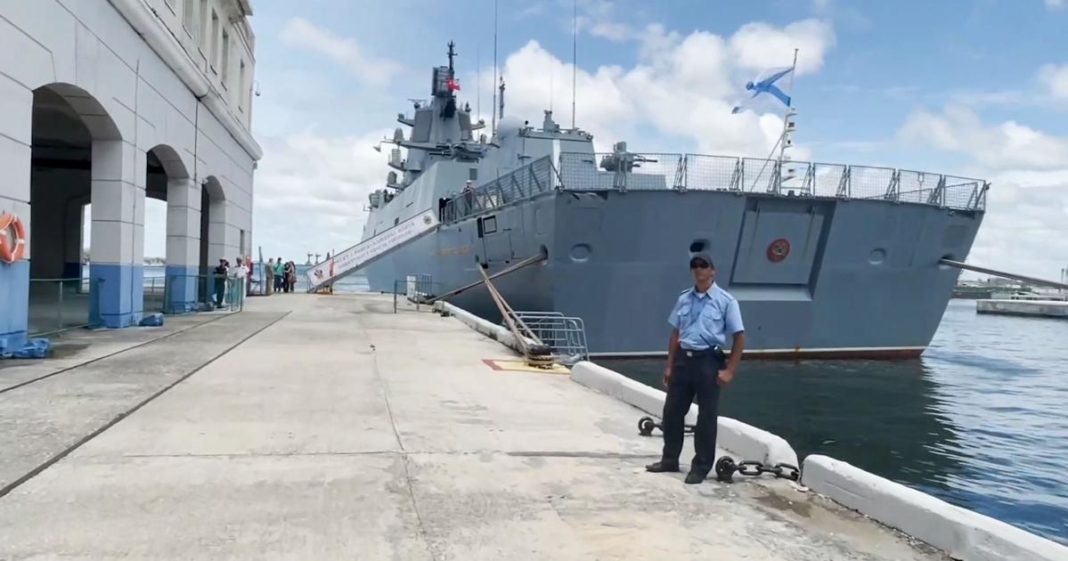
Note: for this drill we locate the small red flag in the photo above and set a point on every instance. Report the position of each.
(454, 85)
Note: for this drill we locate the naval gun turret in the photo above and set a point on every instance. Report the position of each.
(621, 160)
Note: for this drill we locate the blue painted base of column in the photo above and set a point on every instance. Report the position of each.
(182, 283)
(117, 295)
(72, 270)
(15, 296)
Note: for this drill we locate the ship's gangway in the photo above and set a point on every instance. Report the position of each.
(346, 262)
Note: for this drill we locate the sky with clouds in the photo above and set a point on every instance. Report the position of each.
(977, 89)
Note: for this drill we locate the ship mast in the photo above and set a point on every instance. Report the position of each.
(788, 113)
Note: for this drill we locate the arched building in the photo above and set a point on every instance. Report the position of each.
(107, 103)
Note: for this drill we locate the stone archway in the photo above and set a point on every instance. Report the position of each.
(79, 157)
(168, 179)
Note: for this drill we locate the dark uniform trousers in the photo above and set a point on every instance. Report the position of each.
(694, 374)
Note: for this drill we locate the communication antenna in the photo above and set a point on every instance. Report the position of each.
(551, 69)
(574, 58)
(493, 127)
(478, 81)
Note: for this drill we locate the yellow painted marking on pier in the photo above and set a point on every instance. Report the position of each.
(520, 365)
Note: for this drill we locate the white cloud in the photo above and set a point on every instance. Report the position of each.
(1027, 204)
(676, 98)
(1055, 78)
(682, 87)
(1023, 228)
(1056, 4)
(324, 181)
(1009, 145)
(611, 30)
(759, 46)
(299, 32)
(597, 19)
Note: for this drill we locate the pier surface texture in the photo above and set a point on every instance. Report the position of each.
(328, 427)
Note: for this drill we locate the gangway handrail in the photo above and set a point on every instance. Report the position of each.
(367, 251)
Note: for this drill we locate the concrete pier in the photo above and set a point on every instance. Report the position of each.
(327, 427)
(1028, 308)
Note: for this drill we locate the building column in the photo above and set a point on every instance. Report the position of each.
(117, 252)
(15, 133)
(72, 238)
(183, 245)
(218, 248)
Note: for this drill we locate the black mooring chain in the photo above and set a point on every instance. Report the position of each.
(726, 468)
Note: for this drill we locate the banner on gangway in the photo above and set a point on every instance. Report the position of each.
(360, 254)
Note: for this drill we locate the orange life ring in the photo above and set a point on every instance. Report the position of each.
(12, 238)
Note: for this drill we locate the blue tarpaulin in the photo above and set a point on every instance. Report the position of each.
(34, 348)
(154, 320)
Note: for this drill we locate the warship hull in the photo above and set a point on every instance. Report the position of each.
(860, 278)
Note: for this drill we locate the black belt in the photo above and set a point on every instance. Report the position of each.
(712, 351)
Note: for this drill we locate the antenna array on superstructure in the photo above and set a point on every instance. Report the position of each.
(493, 126)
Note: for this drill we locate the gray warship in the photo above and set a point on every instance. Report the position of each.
(827, 260)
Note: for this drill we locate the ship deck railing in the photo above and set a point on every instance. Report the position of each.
(701, 172)
(524, 183)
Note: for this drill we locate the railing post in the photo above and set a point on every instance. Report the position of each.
(893, 190)
(517, 186)
(59, 306)
(845, 184)
(619, 180)
(534, 179)
(938, 196)
(680, 173)
(775, 181)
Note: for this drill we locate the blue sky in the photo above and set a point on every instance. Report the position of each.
(971, 88)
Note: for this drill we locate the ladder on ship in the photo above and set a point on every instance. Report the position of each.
(344, 263)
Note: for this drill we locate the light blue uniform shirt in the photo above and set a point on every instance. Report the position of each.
(705, 319)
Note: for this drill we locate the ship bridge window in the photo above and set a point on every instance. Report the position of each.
(472, 174)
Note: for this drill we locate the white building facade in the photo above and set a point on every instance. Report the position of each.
(110, 102)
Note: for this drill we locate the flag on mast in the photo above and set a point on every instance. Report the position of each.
(767, 85)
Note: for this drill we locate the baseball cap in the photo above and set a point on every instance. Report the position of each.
(701, 256)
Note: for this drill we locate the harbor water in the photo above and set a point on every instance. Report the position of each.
(977, 421)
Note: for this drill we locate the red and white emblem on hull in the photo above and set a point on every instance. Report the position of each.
(778, 250)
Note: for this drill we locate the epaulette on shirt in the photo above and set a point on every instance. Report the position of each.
(685, 290)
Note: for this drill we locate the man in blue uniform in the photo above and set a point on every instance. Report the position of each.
(704, 317)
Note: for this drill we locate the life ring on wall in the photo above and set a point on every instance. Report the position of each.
(778, 250)
(12, 238)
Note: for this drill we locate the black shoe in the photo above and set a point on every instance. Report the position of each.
(695, 477)
(662, 466)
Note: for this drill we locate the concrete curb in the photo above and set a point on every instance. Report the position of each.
(743, 441)
(961, 533)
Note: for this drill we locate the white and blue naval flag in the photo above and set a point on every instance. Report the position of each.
(767, 85)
